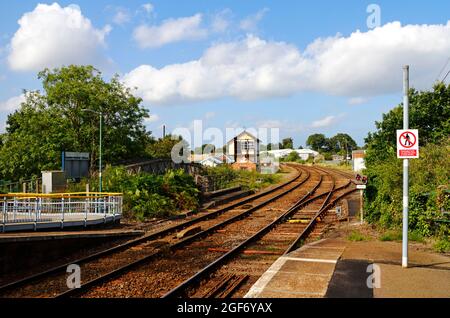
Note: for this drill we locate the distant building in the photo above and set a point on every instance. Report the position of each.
(358, 161)
(244, 149)
(215, 160)
(304, 154)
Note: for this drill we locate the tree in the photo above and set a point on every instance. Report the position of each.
(292, 157)
(429, 175)
(343, 143)
(429, 112)
(317, 142)
(162, 148)
(54, 121)
(287, 143)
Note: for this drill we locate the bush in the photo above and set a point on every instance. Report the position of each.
(391, 236)
(356, 236)
(147, 195)
(224, 176)
(429, 177)
(442, 245)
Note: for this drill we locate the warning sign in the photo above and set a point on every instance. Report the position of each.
(408, 143)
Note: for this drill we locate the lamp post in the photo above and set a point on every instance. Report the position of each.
(100, 146)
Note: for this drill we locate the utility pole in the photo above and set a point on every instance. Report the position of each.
(100, 150)
(405, 168)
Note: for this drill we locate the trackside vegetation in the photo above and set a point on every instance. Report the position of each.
(146, 195)
(429, 175)
(224, 176)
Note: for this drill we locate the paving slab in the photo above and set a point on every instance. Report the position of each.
(304, 272)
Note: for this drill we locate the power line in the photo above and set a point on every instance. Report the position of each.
(442, 70)
(445, 76)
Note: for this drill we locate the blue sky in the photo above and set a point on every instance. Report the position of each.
(197, 64)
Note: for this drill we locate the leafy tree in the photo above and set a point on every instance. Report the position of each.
(429, 112)
(272, 146)
(292, 157)
(50, 122)
(317, 142)
(429, 175)
(343, 143)
(287, 143)
(162, 147)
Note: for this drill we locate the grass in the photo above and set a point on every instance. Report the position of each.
(356, 236)
(392, 235)
(442, 245)
(396, 235)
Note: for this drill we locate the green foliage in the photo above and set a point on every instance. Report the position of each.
(224, 176)
(287, 143)
(442, 245)
(162, 147)
(340, 143)
(356, 236)
(50, 122)
(396, 235)
(316, 141)
(392, 235)
(147, 195)
(429, 175)
(429, 112)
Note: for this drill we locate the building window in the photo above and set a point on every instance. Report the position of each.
(247, 145)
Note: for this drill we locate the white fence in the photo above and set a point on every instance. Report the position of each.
(87, 207)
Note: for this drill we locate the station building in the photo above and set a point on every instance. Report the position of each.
(244, 149)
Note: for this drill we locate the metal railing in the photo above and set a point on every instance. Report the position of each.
(59, 207)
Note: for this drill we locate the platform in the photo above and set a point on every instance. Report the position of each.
(336, 267)
(305, 272)
(53, 221)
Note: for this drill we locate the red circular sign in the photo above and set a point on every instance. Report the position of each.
(407, 139)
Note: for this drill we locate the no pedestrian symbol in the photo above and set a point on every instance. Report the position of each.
(408, 143)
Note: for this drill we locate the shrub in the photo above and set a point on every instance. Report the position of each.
(146, 195)
(356, 236)
(391, 236)
(429, 177)
(224, 176)
(442, 245)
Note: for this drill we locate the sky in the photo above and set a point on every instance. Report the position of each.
(301, 66)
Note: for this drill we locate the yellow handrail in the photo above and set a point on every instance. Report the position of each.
(83, 195)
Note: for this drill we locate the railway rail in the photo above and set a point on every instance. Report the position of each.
(257, 200)
(232, 227)
(213, 281)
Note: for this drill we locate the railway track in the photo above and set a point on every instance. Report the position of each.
(235, 272)
(159, 264)
(50, 283)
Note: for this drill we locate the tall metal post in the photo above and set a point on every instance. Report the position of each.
(100, 159)
(405, 168)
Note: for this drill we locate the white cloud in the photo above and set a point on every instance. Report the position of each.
(250, 23)
(122, 16)
(51, 36)
(326, 121)
(148, 7)
(363, 64)
(171, 30)
(358, 100)
(11, 104)
(153, 118)
(221, 21)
